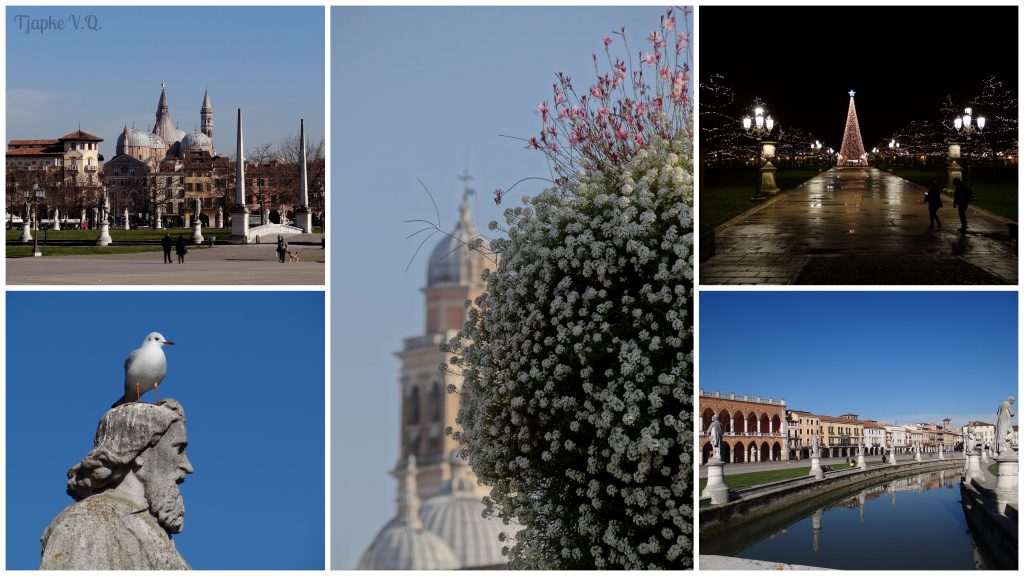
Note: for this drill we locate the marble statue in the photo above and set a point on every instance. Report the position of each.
(971, 439)
(104, 207)
(815, 448)
(715, 432)
(127, 501)
(1004, 429)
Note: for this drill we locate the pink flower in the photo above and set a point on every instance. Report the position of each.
(622, 134)
(602, 112)
(607, 42)
(543, 110)
(597, 92)
(534, 144)
(498, 194)
(668, 22)
(664, 73)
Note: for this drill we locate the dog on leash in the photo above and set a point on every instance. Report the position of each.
(293, 256)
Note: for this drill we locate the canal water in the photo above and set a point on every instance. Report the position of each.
(912, 523)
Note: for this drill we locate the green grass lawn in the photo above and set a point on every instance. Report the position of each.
(25, 250)
(994, 469)
(144, 235)
(995, 189)
(727, 192)
(748, 479)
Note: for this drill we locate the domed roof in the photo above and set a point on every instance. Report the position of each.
(139, 138)
(457, 517)
(196, 141)
(452, 262)
(404, 544)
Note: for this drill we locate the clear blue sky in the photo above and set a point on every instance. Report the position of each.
(911, 356)
(269, 61)
(249, 371)
(424, 93)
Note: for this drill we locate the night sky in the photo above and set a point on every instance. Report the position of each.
(893, 57)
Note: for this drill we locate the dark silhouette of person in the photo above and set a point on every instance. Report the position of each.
(961, 198)
(282, 249)
(166, 243)
(181, 249)
(934, 200)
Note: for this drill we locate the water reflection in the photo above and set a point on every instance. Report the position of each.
(868, 531)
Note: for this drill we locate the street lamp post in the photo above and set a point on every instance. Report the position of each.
(966, 128)
(759, 127)
(894, 147)
(816, 149)
(874, 152)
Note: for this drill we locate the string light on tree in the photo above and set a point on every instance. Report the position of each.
(852, 153)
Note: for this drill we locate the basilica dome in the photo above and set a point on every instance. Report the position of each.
(452, 262)
(196, 141)
(133, 137)
(457, 516)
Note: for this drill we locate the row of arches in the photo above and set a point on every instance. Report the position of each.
(740, 423)
(737, 451)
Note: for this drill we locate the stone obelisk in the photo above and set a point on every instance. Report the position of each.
(303, 219)
(240, 214)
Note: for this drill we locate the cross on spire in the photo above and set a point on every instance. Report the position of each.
(466, 179)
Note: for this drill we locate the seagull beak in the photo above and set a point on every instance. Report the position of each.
(168, 342)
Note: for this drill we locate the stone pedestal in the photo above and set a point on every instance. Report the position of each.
(104, 237)
(26, 231)
(892, 457)
(860, 460)
(768, 186)
(240, 226)
(973, 467)
(716, 489)
(952, 171)
(1006, 484)
(304, 219)
(816, 468)
(197, 231)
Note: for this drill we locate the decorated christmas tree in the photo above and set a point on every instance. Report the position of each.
(852, 150)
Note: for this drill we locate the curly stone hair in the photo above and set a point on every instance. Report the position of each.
(123, 433)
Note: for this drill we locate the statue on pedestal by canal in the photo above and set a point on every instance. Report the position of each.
(716, 488)
(816, 470)
(860, 456)
(1004, 429)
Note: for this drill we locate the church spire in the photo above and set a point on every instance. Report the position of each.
(164, 126)
(206, 115)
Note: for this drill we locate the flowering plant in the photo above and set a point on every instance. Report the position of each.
(576, 360)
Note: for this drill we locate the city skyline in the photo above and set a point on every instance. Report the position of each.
(893, 367)
(270, 64)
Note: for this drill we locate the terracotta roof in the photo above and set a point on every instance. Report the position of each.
(79, 135)
(33, 143)
(872, 424)
(35, 151)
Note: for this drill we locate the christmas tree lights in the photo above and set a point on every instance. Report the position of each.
(852, 150)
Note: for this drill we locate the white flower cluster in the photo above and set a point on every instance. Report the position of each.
(577, 364)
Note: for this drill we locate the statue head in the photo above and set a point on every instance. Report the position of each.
(147, 440)
(714, 418)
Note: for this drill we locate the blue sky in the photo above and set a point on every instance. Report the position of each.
(424, 93)
(906, 356)
(269, 61)
(249, 372)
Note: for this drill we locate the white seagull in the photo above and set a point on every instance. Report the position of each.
(144, 368)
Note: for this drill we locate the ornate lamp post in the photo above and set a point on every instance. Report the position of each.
(894, 148)
(966, 128)
(759, 127)
(874, 152)
(816, 150)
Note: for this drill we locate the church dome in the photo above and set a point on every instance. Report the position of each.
(139, 138)
(457, 517)
(196, 141)
(452, 262)
(404, 544)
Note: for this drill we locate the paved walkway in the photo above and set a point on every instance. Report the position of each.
(745, 467)
(859, 226)
(228, 264)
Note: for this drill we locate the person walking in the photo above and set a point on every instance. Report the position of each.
(166, 243)
(182, 249)
(961, 198)
(282, 249)
(934, 200)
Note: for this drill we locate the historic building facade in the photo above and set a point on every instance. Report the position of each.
(753, 428)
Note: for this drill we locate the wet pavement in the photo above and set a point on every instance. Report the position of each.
(860, 226)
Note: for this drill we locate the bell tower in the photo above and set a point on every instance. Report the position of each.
(206, 115)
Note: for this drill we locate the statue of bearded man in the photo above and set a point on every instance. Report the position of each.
(127, 502)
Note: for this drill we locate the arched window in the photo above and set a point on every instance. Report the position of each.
(436, 402)
(413, 415)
